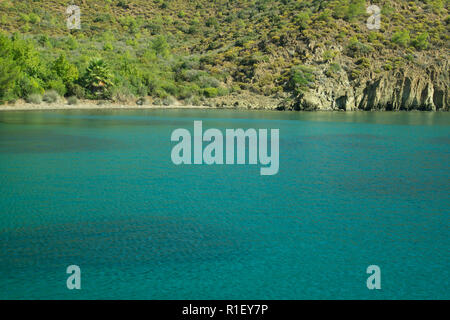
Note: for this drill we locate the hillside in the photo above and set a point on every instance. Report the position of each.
(289, 54)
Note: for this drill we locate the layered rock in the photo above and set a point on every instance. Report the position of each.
(395, 90)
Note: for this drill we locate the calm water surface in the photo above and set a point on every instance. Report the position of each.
(98, 189)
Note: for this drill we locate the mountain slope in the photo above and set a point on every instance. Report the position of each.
(290, 54)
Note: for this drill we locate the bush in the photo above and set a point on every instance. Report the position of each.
(421, 41)
(44, 41)
(349, 9)
(329, 55)
(333, 69)
(108, 46)
(50, 96)
(161, 47)
(193, 101)
(302, 20)
(34, 98)
(212, 22)
(58, 86)
(72, 100)
(208, 82)
(168, 101)
(356, 48)
(122, 95)
(27, 85)
(123, 3)
(77, 91)
(34, 18)
(401, 38)
(142, 101)
(211, 92)
(301, 79)
(72, 43)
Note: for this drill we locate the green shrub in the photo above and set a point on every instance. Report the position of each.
(50, 96)
(168, 101)
(160, 45)
(72, 100)
(388, 66)
(401, 38)
(348, 9)
(421, 41)
(363, 62)
(34, 18)
(58, 86)
(188, 91)
(301, 79)
(193, 101)
(108, 46)
(333, 69)
(77, 91)
(208, 81)
(356, 8)
(65, 70)
(44, 41)
(212, 22)
(123, 4)
(27, 85)
(211, 92)
(356, 48)
(302, 19)
(122, 94)
(328, 55)
(34, 98)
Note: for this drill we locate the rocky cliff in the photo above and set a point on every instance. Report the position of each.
(396, 90)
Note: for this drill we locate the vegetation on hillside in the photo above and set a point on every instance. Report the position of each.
(201, 49)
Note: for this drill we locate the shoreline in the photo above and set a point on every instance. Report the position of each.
(96, 106)
(116, 106)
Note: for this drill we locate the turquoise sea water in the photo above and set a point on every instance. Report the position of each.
(98, 189)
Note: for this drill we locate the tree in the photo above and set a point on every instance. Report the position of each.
(301, 79)
(98, 79)
(9, 73)
(160, 45)
(65, 70)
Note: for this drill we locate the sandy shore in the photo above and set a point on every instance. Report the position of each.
(92, 106)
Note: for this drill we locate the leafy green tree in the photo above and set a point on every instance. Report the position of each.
(65, 70)
(9, 73)
(301, 79)
(20, 68)
(26, 56)
(98, 79)
(161, 47)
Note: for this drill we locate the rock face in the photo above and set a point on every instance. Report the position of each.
(404, 91)
(399, 90)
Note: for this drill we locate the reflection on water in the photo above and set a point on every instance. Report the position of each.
(147, 116)
(44, 141)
